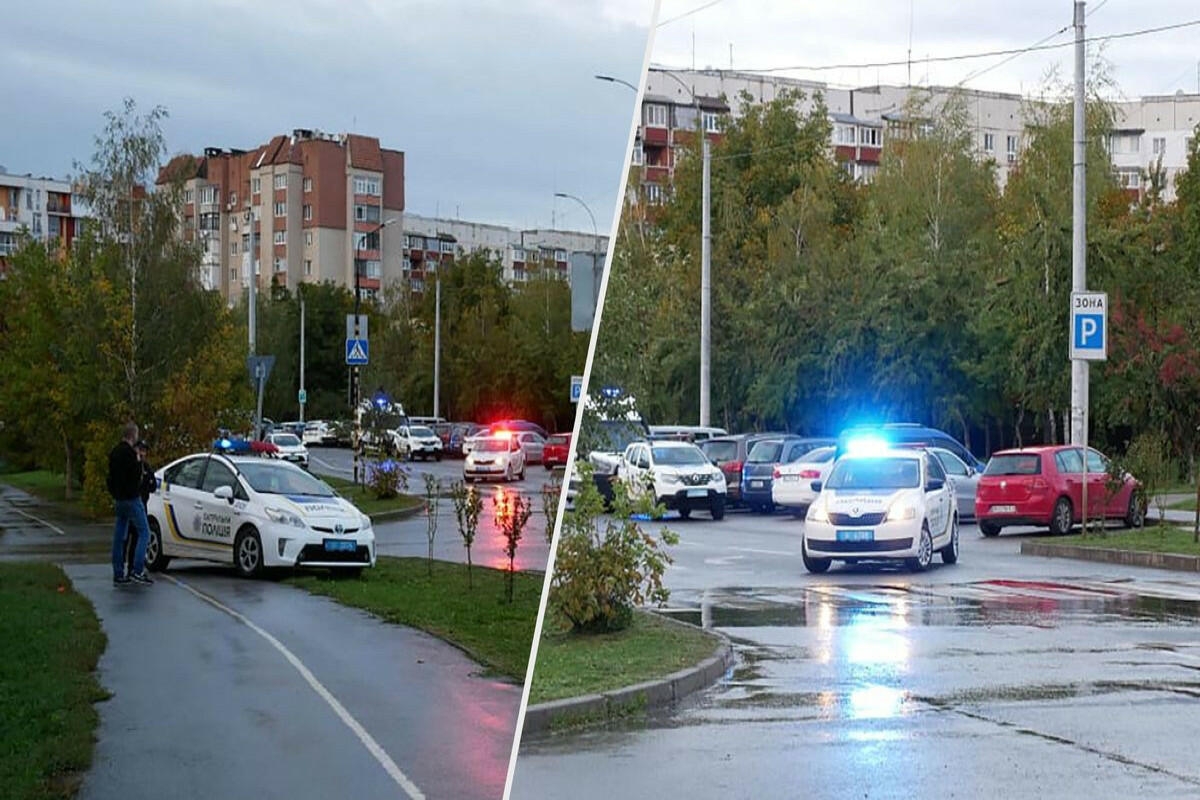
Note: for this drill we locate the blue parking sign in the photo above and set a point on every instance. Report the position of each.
(1089, 326)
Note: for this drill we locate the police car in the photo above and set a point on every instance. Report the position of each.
(891, 503)
(234, 507)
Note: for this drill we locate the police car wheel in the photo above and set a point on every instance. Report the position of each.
(248, 553)
(155, 560)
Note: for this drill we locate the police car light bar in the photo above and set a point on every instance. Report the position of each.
(867, 445)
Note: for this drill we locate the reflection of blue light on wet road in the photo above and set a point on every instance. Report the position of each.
(876, 702)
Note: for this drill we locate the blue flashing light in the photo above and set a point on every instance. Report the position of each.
(225, 444)
(867, 444)
(611, 392)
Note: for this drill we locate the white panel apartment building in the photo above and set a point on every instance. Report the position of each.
(522, 253)
(1146, 130)
(44, 208)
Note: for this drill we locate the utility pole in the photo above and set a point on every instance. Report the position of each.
(302, 353)
(437, 340)
(1079, 367)
(705, 288)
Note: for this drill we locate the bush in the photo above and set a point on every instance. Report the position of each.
(1147, 460)
(386, 479)
(606, 566)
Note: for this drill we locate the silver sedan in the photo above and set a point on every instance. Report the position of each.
(965, 478)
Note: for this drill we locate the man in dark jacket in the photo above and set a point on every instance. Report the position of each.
(148, 485)
(124, 484)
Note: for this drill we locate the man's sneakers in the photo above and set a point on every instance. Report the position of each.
(121, 580)
(141, 577)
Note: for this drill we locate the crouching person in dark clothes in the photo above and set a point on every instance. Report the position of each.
(124, 484)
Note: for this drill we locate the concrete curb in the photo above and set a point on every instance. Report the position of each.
(1130, 558)
(595, 708)
(400, 513)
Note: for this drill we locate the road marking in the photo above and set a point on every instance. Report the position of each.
(49, 525)
(327, 465)
(368, 741)
(763, 552)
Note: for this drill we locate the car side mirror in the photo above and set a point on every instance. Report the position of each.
(933, 484)
(224, 493)
(816, 486)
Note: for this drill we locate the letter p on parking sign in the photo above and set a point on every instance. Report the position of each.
(1089, 326)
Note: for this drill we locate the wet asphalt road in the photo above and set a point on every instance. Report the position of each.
(408, 537)
(1002, 676)
(204, 705)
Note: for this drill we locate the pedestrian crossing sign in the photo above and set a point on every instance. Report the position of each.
(356, 352)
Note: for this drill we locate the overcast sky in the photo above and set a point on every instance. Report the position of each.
(493, 101)
(772, 33)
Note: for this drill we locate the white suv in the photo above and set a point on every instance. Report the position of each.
(678, 475)
(416, 441)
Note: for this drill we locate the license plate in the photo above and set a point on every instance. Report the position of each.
(789, 478)
(757, 484)
(856, 536)
(1004, 509)
(340, 545)
(697, 493)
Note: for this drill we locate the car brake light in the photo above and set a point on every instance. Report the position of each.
(811, 474)
(1038, 485)
(732, 466)
(776, 473)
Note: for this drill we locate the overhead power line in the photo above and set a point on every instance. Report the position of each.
(969, 56)
(686, 14)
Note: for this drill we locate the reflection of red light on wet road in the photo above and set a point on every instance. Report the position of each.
(1047, 586)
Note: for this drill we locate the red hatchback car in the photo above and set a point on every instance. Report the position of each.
(1043, 487)
(555, 453)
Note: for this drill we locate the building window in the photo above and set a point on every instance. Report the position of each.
(307, 211)
(256, 185)
(280, 237)
(711, 121)
(307, 185)
(654, 193)
(366, 241)
(843, 135)
(416, 242)
(417, 285)
(656, 116)
(1129, 178)
(281, 181)
(281, 209)
(1123, 143)
(639, 155)
(366, 213)
(210, 194)
(210, 221)
(256, 213)
(187, 195)
(1011, 148)
(281, 265)
(233, 248)
(406, 264)
(373, 269)
(308, 267)
(869, 137)
(368, 186)
(1159, 145)
(447, 247)
(560, 255)
(518, 254)
(308, 238)
(989, 142)
(233, 273)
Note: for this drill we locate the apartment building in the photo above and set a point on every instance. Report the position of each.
(1150, 132)
(307, 207)
(430, 242)
(44, 208)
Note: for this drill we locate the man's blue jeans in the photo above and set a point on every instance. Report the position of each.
(130, 512)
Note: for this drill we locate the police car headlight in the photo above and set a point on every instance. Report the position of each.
(817, 512)
(901, 512)
(364, 524)
(284, 517)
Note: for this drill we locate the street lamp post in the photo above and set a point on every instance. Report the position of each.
(355, 390)
(595, 249)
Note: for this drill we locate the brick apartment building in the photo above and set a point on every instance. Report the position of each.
(313, 202)
(45, 208)
(1149, 132)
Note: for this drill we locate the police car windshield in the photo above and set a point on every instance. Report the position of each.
(275, 478)
(875, 473)
(679, 456)
(418, 430)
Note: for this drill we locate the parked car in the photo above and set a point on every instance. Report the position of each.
(902, 434)
(676, 474)
(534, 445)
(416, 441)
(686, 433)
(791, 486)
(290, 448)
(459, 431)
(1043, 487)
(759, 470)
(317, 433)
(892, 503)
(729, 454)
(965, 479)
(498, 456)
(556, 450)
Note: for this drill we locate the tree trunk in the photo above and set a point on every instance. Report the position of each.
(470, 583)
(67, 489)
(1052, 431)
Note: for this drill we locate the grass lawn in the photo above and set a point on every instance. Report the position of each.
(47, 485)
(1164, 539)
(495, 633)
(52, 641)
(366, 501)
(571, 664)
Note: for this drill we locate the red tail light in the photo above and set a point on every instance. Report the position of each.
(811, 474)
(732, 466)
(776, 473)
(1038, 485)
